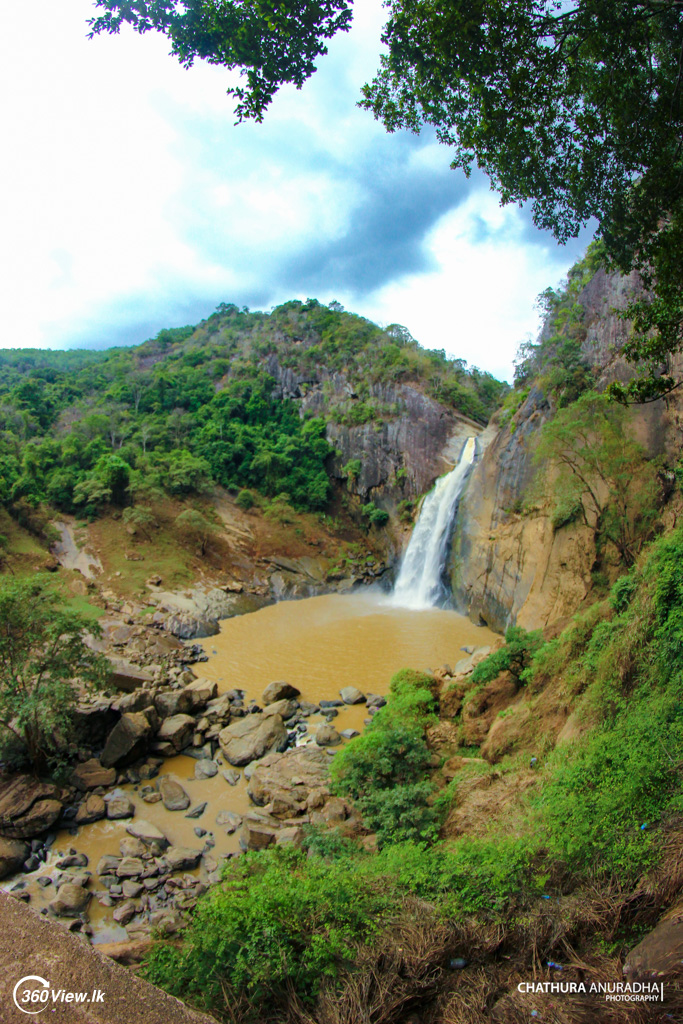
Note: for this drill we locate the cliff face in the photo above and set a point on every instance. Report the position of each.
(509, 566)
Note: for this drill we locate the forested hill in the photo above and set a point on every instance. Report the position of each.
(223, 401)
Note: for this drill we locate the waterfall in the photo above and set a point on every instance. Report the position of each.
(419, 583)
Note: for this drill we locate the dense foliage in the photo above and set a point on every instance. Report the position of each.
(81, 431)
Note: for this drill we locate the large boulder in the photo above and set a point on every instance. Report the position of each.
(293, 775)
(173, 702)
(180, 858)
(172, 793)
(177, 730)
(128, 741)
(126, 676)
(200, 693)
(284, 708)
(205, 769)
(119, 805)
(660, 953)
(147, 833)
(92, 809)
(279, 691)
(13, 853)
(257, 836)
(71, 900)
(251, 737)
(91, 774)
(27, 807)
(352, 695)
(327, 736)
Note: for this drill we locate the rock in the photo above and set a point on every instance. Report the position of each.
(147, 833)
(92, 809)
(197, 811)
(480, 711)
(292, 836)
(126, 676)
(91, 774)
(327, 736)
(229, 820)
(128, 952)
(125, 912)
(13, 853)
(200, 693)
(660, 953)
(251, 737)
(180, 858)
(284, 708)
(128, 740)
(74, 860)
(279, 691)
(120, 806)
(139, 700)
(27, 807)
(306, 707)
(205, 769)
(177, 730)
(231, 776)
(71, 900)
(325, 705)
(130, 867)
(352, 695)
(172, 793)
(173, 702)
(131, 847)
(291, 775)
(256, 836)
(131, 889)
(335, 810)
(349, 734)
(107, 864)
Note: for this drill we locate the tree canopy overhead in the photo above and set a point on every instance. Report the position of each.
(571, 105)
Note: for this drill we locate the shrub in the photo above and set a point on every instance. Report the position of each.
(515, 656)
(375, 516)
(245, 500)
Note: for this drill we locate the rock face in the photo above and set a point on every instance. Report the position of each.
(27, 807)
(251, 737)
(12, 855)
(127, 741)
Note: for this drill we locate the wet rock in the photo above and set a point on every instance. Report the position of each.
(327, 736)
(130, 867)
(27, 807)
(349, 734)
(306, 707)
(352, 695)
(71, 900)
(200, 832)
(74, 860)
(197, 811)
(125, 912)
(205, 769)
(147, 833)
(172, 793)
(180, 858)
(326, 704)
(231, 776)
(120, 806)
(91, 774)
(92, 809)
(251, 737)
(285, 708)
(131, 890)
(131, 847)
(279, 691)
(13, 853)
(128, 740)
(229, 820)
(177, 730)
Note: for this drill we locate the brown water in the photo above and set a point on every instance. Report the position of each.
(318, 645)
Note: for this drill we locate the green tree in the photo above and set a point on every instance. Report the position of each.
(602, 472)
(44, 665)
(196, 528)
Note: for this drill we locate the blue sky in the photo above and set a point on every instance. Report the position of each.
(131, 200)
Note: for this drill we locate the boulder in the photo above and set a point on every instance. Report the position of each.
(200, 693)
(279, 691)
(125, 912)
(296, 774)
(132, 889)
(128, 740)
(172, 793)
(284, 708)
(335, 810)
(231, 776)
(127, 952)
(188, 627)
(349, 734)
(291, 836)
(257, 836)
(91, 774)
(130, 847)
(13, 853)
(172, 702)
(229, 820)
(251, 737)
(120, 806)
(92, 809)
(177, 730)
(71, 900)
(107, 864)
(205, 769)
(180, 858)
(352, 695)
(126, 676)
(327, 736)
(27, 807)
(660, 953)
(146, 833)
(136, 701)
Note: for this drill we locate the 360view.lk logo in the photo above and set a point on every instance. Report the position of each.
(32, 994)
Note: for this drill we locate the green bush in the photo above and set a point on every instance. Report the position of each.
(245, 500)
(515, 656)
(375, 516)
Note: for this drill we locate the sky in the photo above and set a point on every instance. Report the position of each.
(131, 201)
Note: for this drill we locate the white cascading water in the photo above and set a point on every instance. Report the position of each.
(419, 583)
